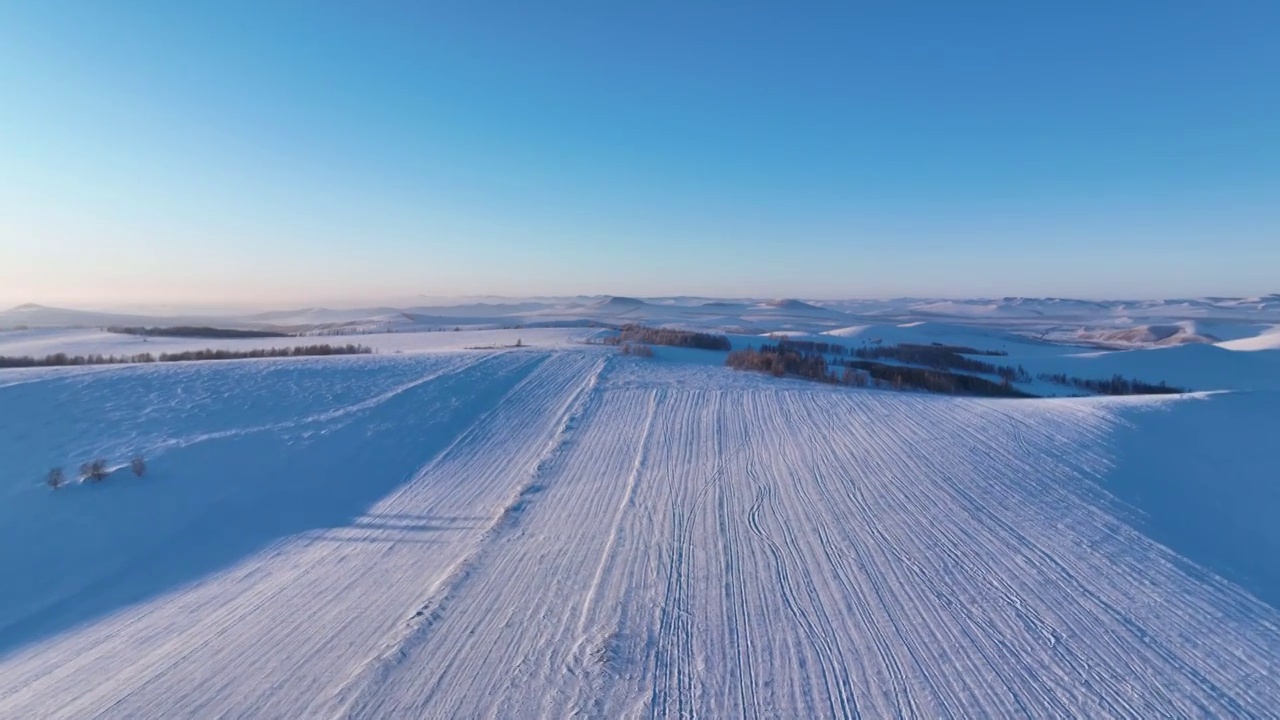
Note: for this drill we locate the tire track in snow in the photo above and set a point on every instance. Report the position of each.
(674, 643)
(362, 689)
(736, 609)
(785, 554)
(628, 497)
(321, 417)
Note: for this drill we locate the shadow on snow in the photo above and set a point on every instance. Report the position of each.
(75, 555)
(1203, 473)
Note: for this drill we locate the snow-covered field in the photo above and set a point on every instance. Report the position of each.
(560, 531)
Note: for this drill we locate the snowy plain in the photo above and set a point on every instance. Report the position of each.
(560, 531)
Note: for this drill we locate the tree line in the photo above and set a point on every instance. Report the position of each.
(804, 360)
(950, 357)
(1114, 385)
(900, 377)
(188, 331)
(780, 361)
(811, 346)
(640, 334)
(63, 359)
(784, 360)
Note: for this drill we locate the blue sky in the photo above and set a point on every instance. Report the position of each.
(291, 152)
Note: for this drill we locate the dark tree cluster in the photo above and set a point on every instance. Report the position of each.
(195, 332)
(94, 471)
(62, 359)
(899, 377)
(637, 350)
(783, 359)
(811, 346)
(299, 351)
(673, 338)
(1115, 385)
(949, 357)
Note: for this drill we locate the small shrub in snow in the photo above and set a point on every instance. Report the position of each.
(637, 350)
(139, 465)
(55, 478)
(94, 470)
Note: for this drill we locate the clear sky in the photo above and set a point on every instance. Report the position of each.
(326, 151)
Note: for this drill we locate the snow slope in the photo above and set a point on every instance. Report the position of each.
(1268, 339)
(562, 531)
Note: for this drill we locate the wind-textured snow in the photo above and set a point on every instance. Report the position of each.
(561, 533)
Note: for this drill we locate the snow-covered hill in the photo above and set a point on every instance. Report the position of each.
(561, 531)
(1110, 323)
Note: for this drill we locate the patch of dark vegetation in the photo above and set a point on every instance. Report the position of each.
(946, 370)
(518, 344)
(639, 334)
(1114, 385)
(900, 377)
(637, 350)
(945, 357)
(63, 359)
(185, 331)
(783, 360)
(95, 471)
(811, 346)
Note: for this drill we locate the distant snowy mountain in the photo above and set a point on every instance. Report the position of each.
(622, 304)
(1120, 323)
(1148, 335)
(32, 315)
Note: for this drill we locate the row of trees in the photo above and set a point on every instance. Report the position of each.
(811, 346)
(299, 351)
(63, 359)
(95, 471)
(948, 357)
(782, 360)
(875, 350)
(665, 336)
(188, 331)
(804, 360)
(1114, 385)
(900, 377)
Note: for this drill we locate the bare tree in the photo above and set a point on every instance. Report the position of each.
(55, 478)
(139, 465)
(94, 470)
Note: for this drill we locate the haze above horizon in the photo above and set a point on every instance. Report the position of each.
(327, 153)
